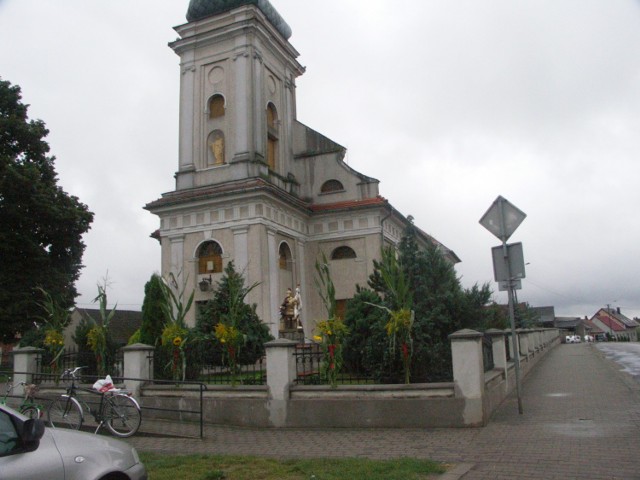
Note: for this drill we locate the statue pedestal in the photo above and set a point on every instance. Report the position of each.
(295, 334)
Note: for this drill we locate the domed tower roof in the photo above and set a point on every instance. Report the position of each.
(199, 9)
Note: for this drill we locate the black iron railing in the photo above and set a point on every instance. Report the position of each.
(309, 359)
(200, 369)
(254, 374)
(487, 352)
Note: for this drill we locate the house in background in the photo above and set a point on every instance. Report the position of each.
(613, 322)
(545, 316)
(571, 326)
(123, 324)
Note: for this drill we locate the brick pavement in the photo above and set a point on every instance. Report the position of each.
(581, 421)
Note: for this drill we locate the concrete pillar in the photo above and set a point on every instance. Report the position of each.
(281, 373)
(25, 366)
(274, 294)
(468, 373)
(539, 340)
(138, 366)
(531, 338)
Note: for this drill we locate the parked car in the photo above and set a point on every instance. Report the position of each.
(31, 451)
(573, 339)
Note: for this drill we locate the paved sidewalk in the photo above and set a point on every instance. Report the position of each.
(581, 421)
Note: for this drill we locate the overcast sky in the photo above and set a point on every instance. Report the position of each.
(448, 103)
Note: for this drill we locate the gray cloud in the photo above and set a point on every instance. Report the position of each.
(448, 103)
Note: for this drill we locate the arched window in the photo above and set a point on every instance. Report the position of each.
(209, 257)
(215, 144)
(331, 186)
(216, 106)
(284, 257)
(272, 136)
(342, 253)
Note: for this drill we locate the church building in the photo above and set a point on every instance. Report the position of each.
(256, 186)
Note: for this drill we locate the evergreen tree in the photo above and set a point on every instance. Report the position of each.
(225, 308)
(154, 315)
(41, 225)
(366, 348)
(441, 307)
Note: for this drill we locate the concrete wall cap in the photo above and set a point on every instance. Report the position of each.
(280, 342)
(136, 347)
(465, 333)
(494, 332)
(23, 350)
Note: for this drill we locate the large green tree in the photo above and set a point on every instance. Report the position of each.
(228, 307)
(441, 307)
(41, 226)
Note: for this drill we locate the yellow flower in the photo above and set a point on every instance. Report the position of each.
(227, 334)
(317, 338)
(53, 338)
(171, 332)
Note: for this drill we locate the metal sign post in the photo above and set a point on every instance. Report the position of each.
(502, 219)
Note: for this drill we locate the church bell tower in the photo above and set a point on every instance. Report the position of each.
(237, 92)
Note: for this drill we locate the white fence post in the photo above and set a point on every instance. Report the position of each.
(25, 365)
(138, 366)
(468, 373)
(281, 373)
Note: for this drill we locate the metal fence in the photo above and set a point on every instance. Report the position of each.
(152, 416)
(201, 369)
(309, 358)
(487, 352)
(72, 358)
(6, 360)
(254, 374)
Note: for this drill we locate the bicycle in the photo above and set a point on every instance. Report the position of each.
(28, 407)
(117, 410)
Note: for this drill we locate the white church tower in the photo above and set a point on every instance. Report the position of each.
(254, 185)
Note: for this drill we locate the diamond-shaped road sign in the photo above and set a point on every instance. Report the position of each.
(502, 218)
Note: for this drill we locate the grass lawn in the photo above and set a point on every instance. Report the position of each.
(218, 467)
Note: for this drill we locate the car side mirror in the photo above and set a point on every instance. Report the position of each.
(32, 432)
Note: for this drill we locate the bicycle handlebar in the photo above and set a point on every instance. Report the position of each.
(68, 371)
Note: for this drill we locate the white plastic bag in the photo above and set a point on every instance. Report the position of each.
(104, 385)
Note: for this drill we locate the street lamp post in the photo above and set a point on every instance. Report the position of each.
(502, 219)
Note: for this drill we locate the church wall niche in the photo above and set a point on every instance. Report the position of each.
(286, 264)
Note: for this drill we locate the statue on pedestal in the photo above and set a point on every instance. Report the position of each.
(287, 311)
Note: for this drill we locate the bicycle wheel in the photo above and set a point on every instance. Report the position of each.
(122, 415)
(30, 411)
(65, 412)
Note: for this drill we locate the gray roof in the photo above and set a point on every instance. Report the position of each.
(199, 9)
(626, 321)
(545, 314)
(567, 322)
(123, 324)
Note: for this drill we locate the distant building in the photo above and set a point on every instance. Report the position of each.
(123, 324)
(545, 316)
(571, 325)
(612, 322)
(255, 185)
